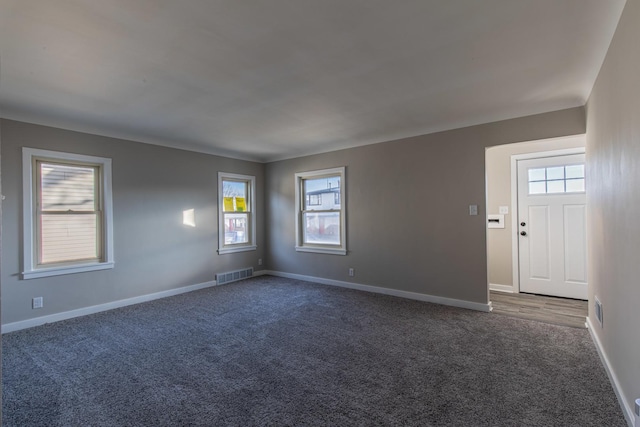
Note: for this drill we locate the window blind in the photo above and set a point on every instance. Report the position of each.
(69, 216)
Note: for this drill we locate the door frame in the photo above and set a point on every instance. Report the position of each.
(515, 242)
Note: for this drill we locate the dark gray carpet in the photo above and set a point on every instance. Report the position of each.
(271, 351)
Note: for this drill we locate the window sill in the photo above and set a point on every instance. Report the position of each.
(237, 249)
(319, 250)
(58, 271)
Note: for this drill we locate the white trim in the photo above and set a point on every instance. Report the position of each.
(486, 234)
(622, 400)
(232, 250)
(30, 271)
(552, 153)
(501, 288)
(259, 273)
(386, 291)
(515, 241)
(251, 245)
(322, 249)
(59, 271)
(29, 323)
(321, 172)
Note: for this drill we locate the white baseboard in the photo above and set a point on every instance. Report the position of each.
(624, 403)
(501, 288)
(386, 291)
(29, 323)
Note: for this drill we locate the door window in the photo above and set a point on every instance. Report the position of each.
(557, 179)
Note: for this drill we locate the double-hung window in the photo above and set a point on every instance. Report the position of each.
(320, 216)
(67, 213)
(237, 221)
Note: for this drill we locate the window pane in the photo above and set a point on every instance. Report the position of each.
(555, 186)
(537, 187)
(555, 173)
(66, 187)
(322, 227)
(235, 196)
(575, 185)
(319, 193)
(536, 174)
(575, 171)
(236, 228)
(68, 237)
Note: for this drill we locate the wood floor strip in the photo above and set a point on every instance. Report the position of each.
(558, 311)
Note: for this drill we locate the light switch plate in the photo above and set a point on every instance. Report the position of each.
(473, 209)
(503, 210)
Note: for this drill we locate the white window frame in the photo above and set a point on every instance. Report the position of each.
(251, 244)
(31, 270)
(300, 198)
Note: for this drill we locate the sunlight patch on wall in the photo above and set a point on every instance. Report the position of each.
(189, 217)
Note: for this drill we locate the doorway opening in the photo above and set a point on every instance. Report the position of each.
(506, 244)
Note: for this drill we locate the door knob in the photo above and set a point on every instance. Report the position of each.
(523, 233)
(523, 223)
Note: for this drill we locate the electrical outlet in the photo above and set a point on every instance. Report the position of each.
(352, 272)
(259, 261)
(37, 302)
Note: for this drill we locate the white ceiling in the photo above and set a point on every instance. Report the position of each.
(267, 80)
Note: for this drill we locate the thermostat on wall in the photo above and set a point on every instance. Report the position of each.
(495, 221)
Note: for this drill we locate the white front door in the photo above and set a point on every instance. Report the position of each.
(552, 226)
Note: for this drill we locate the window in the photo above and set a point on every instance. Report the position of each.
(68, 226)
(314, 199)
(320, 220)
(237, 223)
(557, 179)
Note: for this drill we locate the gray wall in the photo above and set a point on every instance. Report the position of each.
(613, 161)
(153, 251)
(408, 224)
(499, 240)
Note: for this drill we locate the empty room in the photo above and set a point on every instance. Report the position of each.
(320, 213)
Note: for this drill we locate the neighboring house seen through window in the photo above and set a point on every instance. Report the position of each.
(67, 213)
(320, 220)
